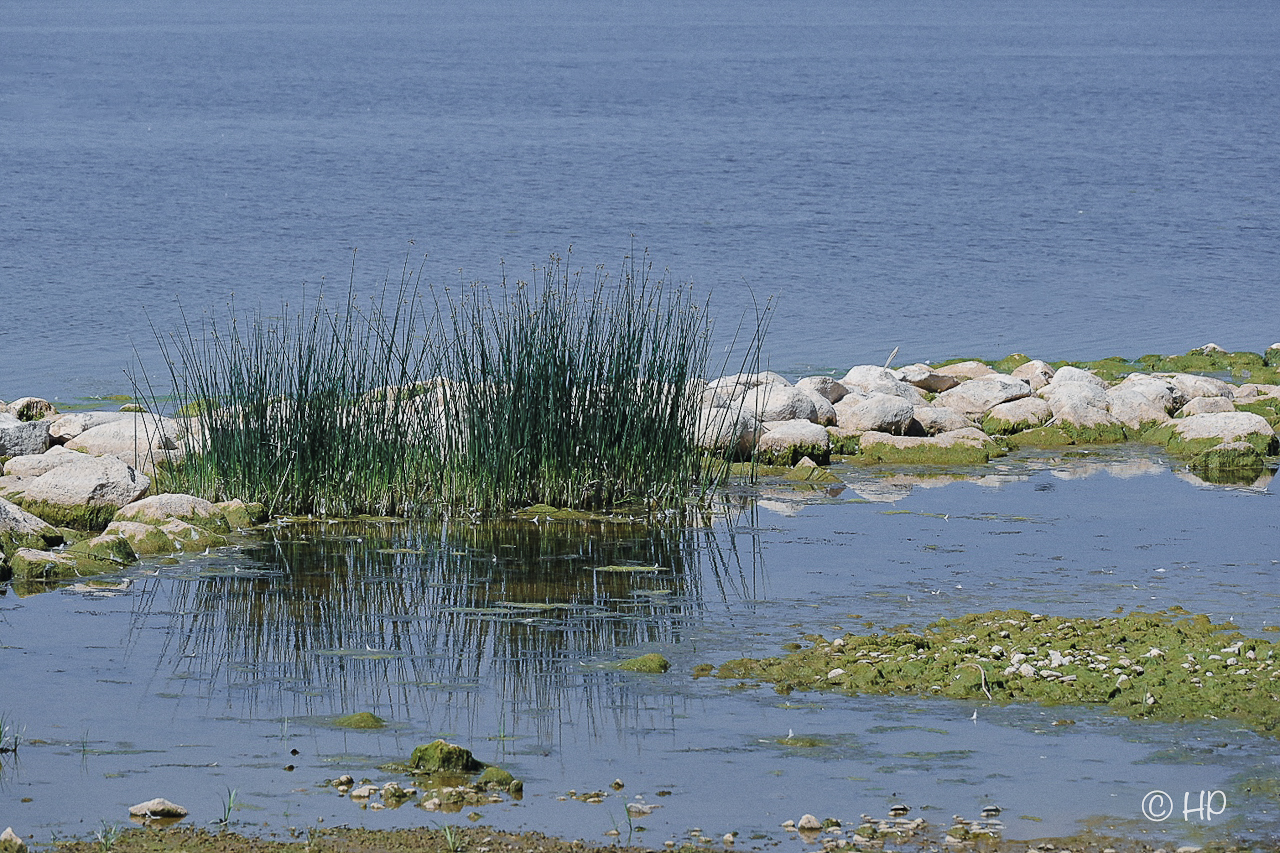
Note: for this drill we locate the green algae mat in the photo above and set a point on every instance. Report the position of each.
(1169, 665)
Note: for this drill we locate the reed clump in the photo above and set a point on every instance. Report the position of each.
(569, 389)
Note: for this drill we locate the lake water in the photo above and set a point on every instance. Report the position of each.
(1072, 180)
(226, 671)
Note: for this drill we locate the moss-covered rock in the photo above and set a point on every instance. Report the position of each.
(29, 564)
(111, 548)
(959, 447)
(1017, 416)
(240, 515)
(158, 509)
(361, 720)
(189, 537)
(1010, 363)
(651, 663)
(440, 756)
(810, 473)
(495, 777)
(145, 539)
(1194, 435)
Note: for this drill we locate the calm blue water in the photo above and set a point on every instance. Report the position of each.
(1073, 179)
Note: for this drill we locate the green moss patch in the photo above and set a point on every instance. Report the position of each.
(1170, 665)
(1010, 363)
(1250, 366)
(924, 453)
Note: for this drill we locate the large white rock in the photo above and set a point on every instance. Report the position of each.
(966, 370)
(1080, 414)
(161, 508)
(98, 481)
(1227, 426)
(1160, 392)
(775, 402)
(19, 438)
(1133, 408)
(784, 439)
(1206, 406)
(12, 841)
(867, 380)
(727, 430)
(1035, 373)
(139, 440)
(1190, 386)
(968, 437)
(1021, 414)
(66, 427)
(877, 413)
(824, 411)
(1063, 394)
(939, 419)
(726, 389)
(926, 378)
(824, 387)
(1076, 374)
(19, 523)
(35, 464)
(976, 396)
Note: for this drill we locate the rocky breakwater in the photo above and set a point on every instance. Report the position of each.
(74, 493)
(969, 412)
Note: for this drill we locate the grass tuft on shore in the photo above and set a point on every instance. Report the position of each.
(570, 389)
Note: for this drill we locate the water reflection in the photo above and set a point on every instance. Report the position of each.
(430, 622)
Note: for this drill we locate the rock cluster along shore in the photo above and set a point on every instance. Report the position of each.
(65, 474)
(73, 497)
(969, 412)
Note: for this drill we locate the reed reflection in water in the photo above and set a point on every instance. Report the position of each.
(498, 629)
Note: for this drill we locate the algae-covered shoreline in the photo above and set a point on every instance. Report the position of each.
(1170, 666)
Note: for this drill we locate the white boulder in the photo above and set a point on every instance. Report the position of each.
(966, 370)
(824, 387)
(786, 442)
(926, 378)
(35, 464)
(1227, 426)
(66, 427)
(19, 438)
(138, 440)
(939, 419)
(877, 413)
(977, 396)
(1206, 406)
(1035, 373)
(1076, 374)
(727, 430)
